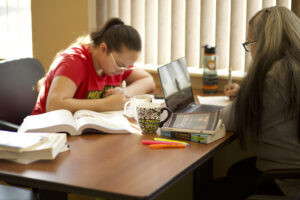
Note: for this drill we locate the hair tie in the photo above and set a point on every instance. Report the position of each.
(116, 25)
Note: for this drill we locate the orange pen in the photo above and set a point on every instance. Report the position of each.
(160, 146)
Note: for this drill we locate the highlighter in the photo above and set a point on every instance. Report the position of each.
(166, 140)
(160, 142)
(160, 146)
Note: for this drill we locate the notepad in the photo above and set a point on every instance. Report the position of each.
(214, 100)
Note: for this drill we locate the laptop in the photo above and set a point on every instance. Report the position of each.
(177, 89)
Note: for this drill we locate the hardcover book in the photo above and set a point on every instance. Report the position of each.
(196, 137)
(19, 142)
(202, 122)
(202, 127)
(53, 144)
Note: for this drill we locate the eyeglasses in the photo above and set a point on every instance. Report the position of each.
(121, 67)
(246, 45)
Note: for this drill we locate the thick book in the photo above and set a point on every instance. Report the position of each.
(200, 122)
(83, 121)
(56, 143)
(196, 137)
(19, 142)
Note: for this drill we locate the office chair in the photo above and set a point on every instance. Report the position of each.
(18, 91)
(271, 175)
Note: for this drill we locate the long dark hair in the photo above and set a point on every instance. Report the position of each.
(115, 34)
(276, 31)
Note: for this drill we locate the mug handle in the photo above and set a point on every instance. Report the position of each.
(169, 111)
(125, 107)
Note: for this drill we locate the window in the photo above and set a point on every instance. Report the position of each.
(171, 29)
(15, 34)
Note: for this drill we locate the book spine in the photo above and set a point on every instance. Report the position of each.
(201, 138)
(194, 137)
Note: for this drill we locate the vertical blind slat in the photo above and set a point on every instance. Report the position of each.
(237, 34)
(151, 32)
(252, 7)
(207, 26)
(268, 3)
(192, 32)
(138, 21)
(178, 29)
(101, 12)
(286, 3)
(112, 8)
(125, 10)
(223, 32)
(164, 32)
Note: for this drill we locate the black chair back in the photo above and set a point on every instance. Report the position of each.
(18, 90)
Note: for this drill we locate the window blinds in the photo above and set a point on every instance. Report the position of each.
(171, 29)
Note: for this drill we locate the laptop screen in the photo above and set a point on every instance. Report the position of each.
(176, 84)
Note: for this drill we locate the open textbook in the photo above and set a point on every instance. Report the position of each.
(83, 121)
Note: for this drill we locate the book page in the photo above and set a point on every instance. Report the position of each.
(214, 100)
(54, 121)
(105, 122)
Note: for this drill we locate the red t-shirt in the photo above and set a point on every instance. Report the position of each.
(76, 63)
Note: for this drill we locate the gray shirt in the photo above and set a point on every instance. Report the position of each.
(277, 146)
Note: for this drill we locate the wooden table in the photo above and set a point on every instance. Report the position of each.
(112, 167)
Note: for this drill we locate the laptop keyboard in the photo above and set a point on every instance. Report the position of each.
(201, 108)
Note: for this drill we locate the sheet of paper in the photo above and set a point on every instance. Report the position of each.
(214, 100)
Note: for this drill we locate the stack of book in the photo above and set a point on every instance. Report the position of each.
(26, 148)
(202, 127)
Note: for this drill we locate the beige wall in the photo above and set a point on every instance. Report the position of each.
(55, 24)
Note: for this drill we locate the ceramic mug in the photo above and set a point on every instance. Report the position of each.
(148, 116)
(130, 106)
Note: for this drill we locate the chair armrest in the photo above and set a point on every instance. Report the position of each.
(4, 125)
(268, 197)
(270, 175)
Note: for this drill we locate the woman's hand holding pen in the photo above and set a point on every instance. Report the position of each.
(232, 92)
(117, 90)
(117, 101)
(112, 91)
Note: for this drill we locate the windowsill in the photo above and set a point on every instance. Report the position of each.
(195, 71)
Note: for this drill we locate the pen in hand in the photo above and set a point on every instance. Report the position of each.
(229, 79)
(124, 86)
(230, 82)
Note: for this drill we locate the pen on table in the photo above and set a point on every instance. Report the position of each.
(124, 86)
(229, 79)
(166, 140)
(159, 146)
(160, 142)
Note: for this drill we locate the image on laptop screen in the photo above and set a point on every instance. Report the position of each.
(176, 84)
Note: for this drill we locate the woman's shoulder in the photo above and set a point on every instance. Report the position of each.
(80, 51)
(279, 70)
